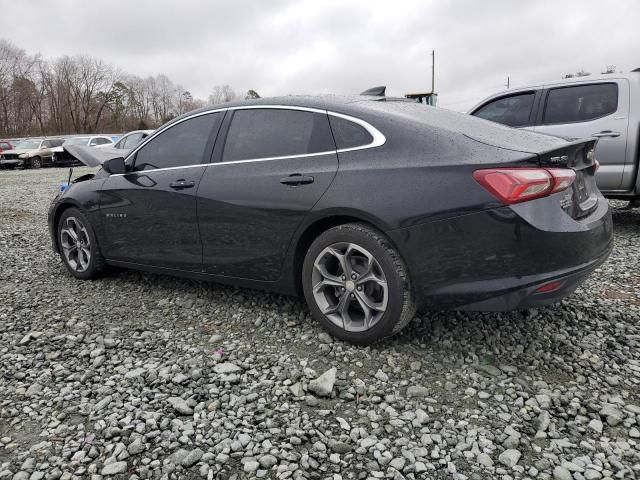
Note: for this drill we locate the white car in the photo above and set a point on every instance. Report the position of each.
(130, 140)
(62, 158)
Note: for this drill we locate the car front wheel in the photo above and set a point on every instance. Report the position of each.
(35, 162)
(357, 285)
(78, 245)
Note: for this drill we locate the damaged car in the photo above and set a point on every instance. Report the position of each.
(369, 208)
(30, 153)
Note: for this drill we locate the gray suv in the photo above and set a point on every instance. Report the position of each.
(606, 107)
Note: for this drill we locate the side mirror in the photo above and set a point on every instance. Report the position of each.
(115, 165)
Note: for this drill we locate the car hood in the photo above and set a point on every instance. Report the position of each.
(19, 150)
(92, 157)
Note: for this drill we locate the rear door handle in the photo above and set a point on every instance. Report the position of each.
(296, 179)
(182, 184)
(606, 133)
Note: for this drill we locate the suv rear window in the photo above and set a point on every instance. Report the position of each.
(580, 103)
(514, 111)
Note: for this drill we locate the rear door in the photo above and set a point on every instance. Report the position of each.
(597, 109)
(149, 215)
(272, 166)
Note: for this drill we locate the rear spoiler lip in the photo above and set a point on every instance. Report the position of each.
(571, 145)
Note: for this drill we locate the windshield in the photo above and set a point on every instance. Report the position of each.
(28, 144)
(76, 141)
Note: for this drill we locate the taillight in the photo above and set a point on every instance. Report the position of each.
(515, 185)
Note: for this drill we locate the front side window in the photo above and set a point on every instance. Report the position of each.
(514, 111)
(47, 144)
(181, 145)
(103, 141)
(580, 103)
(4, 146)
(265, 133)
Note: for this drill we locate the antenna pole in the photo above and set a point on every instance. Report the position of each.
(508, 81)
(433, 71)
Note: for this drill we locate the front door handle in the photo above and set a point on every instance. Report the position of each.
(182, 184)
(296, 179)
(606, 133)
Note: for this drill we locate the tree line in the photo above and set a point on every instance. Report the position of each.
(83, 94)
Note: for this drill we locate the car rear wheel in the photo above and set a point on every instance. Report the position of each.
(78, 246)
(35, 162)
(356, 284)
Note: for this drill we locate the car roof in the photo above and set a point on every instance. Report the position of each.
(347, 104)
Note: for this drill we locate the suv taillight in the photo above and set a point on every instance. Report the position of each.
(515, 185)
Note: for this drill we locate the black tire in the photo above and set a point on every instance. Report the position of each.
(96, 262)
(400, 306)
(35, 162)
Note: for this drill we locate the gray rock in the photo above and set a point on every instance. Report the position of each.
(596, 426)
(417, 391)
(226, 367)
(323, 385)
(510, 458)
(136, 447)
(114, 468)
(180, 405)
(484, 460)
(251, 466)
(561, 473)
(267, 461)
(192, 458)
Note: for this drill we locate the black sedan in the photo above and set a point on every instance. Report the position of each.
(369, 207)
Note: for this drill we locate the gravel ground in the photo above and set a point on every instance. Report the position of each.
(146, 376)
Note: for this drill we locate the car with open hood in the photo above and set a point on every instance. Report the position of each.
(368, 207)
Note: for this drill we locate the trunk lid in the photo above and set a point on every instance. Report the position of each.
(581, 198)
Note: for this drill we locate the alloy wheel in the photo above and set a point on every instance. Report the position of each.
(349, 286)
(76, 244)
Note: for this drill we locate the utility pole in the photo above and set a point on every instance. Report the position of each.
(433, 71)
(428, 98)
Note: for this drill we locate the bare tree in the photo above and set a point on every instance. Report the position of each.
(82, 94)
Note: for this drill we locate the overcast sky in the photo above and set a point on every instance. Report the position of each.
(336, 46)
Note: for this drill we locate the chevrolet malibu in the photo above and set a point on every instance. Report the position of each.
(369, 207)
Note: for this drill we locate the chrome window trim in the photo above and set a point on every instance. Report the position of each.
(378, 137)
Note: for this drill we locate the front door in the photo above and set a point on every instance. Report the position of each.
(598, 110)
(272, 169)
(149, 215)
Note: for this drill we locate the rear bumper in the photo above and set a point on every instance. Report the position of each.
(494, 260)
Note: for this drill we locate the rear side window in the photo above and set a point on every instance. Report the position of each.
(580, 103)
(349, 134)
(514, 111)
(103, 141)
(5, 146)
(264, 133)
(181, 145)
